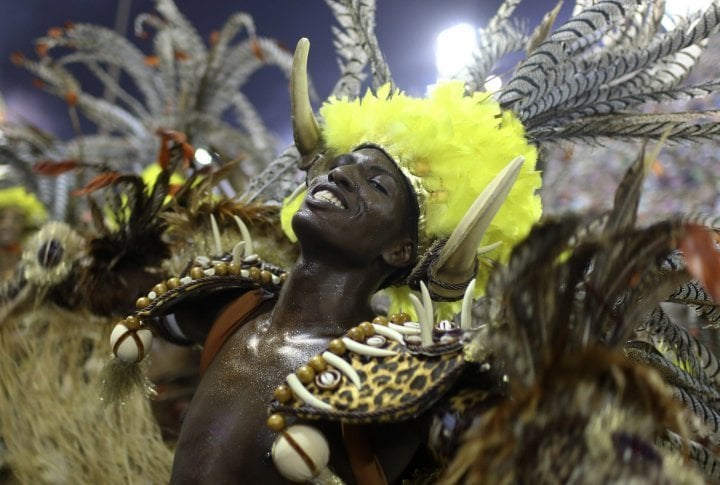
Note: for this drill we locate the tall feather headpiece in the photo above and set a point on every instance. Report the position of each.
(585, 80)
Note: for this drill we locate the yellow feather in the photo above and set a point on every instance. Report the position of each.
(19, 198)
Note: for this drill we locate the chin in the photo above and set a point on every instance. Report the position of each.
(325, 240)
(305, 224)
(310, 229)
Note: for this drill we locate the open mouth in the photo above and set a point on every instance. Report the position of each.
(324, 195)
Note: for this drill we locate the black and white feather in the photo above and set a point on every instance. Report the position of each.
(184, 85)
(356, 46)
(502, 36)
(595, 76)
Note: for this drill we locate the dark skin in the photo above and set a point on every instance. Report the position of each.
(355, 232)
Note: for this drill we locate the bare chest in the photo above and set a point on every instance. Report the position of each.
(259, 356)
(229, 410)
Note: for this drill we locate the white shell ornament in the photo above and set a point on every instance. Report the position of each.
(376, 341)
(130, 345)
(289, 448)
(448, 339)
(445, 326)
(328, 380)
(413, 340)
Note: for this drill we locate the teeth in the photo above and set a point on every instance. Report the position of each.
(327, 196)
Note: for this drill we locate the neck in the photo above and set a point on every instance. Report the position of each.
(324, 300)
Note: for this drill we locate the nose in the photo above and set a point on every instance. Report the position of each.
(341, 176)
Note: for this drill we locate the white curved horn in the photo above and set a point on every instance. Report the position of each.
(456, 260)
(306, 130)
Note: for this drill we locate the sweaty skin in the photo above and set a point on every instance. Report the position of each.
(355, 231)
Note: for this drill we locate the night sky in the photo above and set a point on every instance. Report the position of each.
(406, 31)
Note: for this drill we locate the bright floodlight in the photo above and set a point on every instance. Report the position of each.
(493, 84)
(453, 49)
(203, 157)
(675, 9)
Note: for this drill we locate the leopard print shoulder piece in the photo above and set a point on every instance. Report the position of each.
(382, 375)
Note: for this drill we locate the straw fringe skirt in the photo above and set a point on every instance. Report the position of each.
(53, 423)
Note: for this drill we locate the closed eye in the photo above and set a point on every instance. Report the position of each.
(375, 184)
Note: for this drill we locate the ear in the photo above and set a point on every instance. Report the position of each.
(400, 254)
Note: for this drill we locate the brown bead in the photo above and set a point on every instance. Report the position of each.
(380, 320)
(337, 346)
(317, 363)
(142, 302)
(196, 273)
(399, 318)
(283, 393)
(306, 374)
(255, 273)
(160, 289)
(367, 329)
(221, 268)
(173, 283)
(276, 422)
(356, 334)
(266, 277)
(132, 322)
(233, 268)
(283, 278)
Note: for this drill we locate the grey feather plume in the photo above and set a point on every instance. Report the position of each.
(491, 46)
(356, 44)
(283, 166)
(536, 74)
(503, 14)
(575, 77)
(676, 126)
(543, 30)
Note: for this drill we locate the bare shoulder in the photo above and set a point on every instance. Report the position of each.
(224, 429)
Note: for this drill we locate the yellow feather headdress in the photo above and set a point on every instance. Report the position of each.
(450, 146)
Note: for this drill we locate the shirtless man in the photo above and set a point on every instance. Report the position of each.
(364, 224)
(348, 249)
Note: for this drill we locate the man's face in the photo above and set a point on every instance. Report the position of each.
(358, 206)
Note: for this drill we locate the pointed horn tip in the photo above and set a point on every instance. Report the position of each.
(300, 55)
(303, 44)
(517, 162)
(461, 249)
(306, 130)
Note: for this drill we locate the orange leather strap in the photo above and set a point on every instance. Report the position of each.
(231, 318)
(365, 465)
